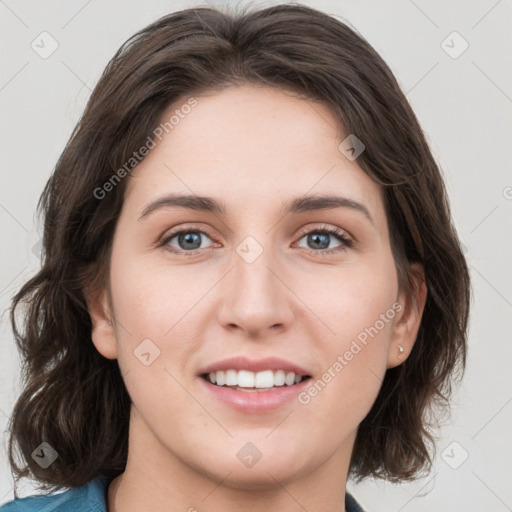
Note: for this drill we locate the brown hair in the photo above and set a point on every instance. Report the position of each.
(73, 397)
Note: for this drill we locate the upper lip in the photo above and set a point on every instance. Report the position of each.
(254, 365)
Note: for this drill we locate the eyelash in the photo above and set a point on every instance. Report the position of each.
(346, 243)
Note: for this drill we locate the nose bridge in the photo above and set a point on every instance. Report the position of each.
(257, 298)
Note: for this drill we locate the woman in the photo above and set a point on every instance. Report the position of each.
(251, 286)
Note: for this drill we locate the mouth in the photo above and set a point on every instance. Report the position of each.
(254, 386)
(254, 382)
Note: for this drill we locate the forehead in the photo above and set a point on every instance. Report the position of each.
(253, 147)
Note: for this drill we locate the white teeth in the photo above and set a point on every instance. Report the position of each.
(245, 379)
(264, 379)
(279, 377)
(261, 380)
(289, 379)
(231, 378)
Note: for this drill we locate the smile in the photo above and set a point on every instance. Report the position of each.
(246, 380)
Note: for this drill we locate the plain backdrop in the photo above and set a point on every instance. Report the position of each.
(452, 60)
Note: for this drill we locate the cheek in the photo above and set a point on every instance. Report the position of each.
(359, 309)
(150, 305)
(153, 298)
(350, 299)
(339, 398)
(153, 310)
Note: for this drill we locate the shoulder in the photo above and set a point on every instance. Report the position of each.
(90, 497)
(351, 504)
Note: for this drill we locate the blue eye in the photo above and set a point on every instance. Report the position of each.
(321, 238)
(189, 241)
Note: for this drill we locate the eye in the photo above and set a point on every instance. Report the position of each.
(321, 238)
(188, 241)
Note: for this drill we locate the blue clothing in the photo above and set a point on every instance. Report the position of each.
(91, 497)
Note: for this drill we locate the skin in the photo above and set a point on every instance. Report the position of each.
(252, 148)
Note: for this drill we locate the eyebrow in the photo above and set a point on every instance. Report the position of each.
(297, 205)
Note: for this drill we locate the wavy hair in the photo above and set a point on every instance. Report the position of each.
(74, 398)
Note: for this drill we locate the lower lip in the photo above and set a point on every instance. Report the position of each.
(255, 401)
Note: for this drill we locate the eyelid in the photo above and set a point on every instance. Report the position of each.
(331, 229)
(164, 239)
(347, 240)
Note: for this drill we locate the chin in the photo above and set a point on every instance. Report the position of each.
(258, 465)
(262, 476)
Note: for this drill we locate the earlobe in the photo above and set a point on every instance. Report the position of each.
(408, 321)
(102, 331)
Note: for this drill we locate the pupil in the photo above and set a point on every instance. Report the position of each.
(188, 238)
(317, 237)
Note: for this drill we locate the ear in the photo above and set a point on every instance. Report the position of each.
(103, 331)
(408, 319)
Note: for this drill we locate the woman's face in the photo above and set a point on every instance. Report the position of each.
(256, 278)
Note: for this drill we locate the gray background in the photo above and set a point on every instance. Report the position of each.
(464, 105)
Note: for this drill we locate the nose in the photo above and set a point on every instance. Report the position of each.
(257, 298)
